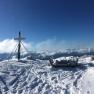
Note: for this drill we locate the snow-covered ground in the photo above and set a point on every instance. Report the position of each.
(38, 77)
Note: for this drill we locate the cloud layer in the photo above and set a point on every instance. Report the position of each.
(10, 45)
(47, 46)
(51, 45)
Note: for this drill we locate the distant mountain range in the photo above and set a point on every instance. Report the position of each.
(44, 56)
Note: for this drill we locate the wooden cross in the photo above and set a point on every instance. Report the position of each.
(19, 39)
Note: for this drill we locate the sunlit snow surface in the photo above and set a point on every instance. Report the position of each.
(38, 77)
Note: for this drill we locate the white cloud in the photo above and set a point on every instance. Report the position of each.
(50, 45)
(9, 45)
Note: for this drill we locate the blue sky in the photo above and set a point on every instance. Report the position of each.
(39, 20)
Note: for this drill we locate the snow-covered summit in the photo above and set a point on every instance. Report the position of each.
(37, 77)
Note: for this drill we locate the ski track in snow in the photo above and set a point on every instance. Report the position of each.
(37, 77)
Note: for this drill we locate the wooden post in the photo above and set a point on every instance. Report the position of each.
(19, 39)
(19, 47)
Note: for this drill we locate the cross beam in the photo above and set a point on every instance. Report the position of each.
(19, 39)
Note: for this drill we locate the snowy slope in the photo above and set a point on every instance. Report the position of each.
(86, 83)
(37, 77)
